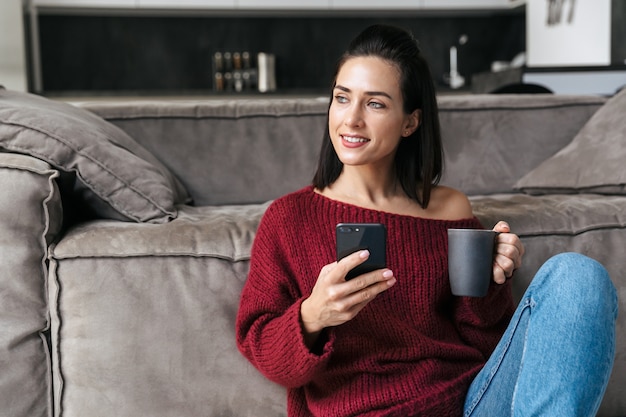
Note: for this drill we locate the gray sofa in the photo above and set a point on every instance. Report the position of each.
(125, 237)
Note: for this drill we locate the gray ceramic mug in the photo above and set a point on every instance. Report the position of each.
(470, 261)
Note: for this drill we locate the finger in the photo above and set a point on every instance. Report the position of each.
(326, 269)
(343, 303)
(509, 245)
(511, 252)
(498, 274)
(508, 237)
(363, 281)
(346, 264)
(367, 286)
(504, 264)
(502, 227)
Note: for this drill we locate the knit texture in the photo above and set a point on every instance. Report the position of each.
(413, 351)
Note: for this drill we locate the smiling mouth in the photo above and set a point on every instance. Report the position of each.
(353, 139)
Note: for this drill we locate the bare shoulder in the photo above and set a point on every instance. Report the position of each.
(449, 204)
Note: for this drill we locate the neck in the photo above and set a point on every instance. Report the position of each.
(365, 186)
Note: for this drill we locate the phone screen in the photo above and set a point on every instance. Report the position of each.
(352, 237)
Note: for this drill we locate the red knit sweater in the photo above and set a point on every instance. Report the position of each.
(413, 351)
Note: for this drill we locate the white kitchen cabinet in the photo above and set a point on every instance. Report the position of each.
(445, 5)
(376, 4)
(12, 46)
(85, 3)
(143, 4)
(286, 5)
(187, 4)
(283, 4)
(471, 4)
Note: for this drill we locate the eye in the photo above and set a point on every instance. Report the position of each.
(376, 105)
(341, 99)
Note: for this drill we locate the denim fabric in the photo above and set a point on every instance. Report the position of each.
(556, 356)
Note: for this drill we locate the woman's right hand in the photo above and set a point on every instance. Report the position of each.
(335, 301)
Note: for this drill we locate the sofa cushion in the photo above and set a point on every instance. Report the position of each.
(585, 221)
(117, 177)
(143, 318)
(224, 232)
(592, 162)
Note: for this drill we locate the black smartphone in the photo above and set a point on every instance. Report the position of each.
(352, 237)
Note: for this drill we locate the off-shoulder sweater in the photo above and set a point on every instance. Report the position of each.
(413, 351)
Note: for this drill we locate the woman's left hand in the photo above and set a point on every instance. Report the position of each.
(508, 253)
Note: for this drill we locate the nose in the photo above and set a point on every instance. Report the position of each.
(354, 116)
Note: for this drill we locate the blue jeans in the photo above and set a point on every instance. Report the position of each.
(556, 356)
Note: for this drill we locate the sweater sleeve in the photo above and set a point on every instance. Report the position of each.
(268, 327)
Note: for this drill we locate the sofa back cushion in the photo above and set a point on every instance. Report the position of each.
(253, 150)
(592, 163)
(491, 141)
(228, 151)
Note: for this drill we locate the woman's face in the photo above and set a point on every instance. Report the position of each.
(366, 119)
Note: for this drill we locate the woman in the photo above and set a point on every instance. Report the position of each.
(395, 342)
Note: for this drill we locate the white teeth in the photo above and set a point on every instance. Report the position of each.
(354, 140)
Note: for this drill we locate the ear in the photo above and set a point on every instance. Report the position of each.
(411, 123)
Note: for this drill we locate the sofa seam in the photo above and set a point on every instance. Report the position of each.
(55, 343)
(236, 258)
(572, 233)
(34, 170)
(208, 117)
(521, 107)
(441, 108)
(45, 269)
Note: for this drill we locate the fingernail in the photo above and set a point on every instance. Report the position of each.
(388, 274)
(364, 254)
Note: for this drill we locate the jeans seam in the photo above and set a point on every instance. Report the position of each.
(527, 303)
(610, 357)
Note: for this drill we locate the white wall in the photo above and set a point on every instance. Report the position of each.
(576, 33)
(12, 50)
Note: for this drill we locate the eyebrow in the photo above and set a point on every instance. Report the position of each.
(369, 93)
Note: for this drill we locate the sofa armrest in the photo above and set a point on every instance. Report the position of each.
(30, 218)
